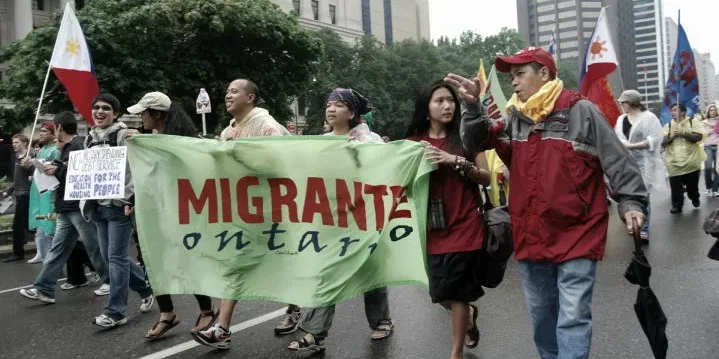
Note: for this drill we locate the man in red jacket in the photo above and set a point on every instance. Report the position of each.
(558, 148)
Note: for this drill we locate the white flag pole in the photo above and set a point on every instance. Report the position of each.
(39, 106)
(204, 125)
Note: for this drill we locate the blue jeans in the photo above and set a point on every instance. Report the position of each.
(114, 230)
(711, 180)
(559, 298)
(70, 225)
(43, 241)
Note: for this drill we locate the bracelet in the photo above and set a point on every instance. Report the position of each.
(463, 166)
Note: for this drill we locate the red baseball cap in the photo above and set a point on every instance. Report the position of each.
(525, 56)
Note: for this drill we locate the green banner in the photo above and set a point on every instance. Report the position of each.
(310, 220)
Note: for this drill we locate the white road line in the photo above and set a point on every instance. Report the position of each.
(23, 287)
(235, 328)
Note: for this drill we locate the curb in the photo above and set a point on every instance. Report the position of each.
(7, 249)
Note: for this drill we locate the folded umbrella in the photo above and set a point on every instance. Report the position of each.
(649, 311)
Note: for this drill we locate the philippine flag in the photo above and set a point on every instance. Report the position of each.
(72, 65)
(600, 60)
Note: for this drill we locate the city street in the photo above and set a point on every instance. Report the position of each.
(684, 279)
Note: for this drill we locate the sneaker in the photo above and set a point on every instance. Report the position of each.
(147, 304)
(68, 286)
(35, 294)
(675, 210)
(103, 290)
(93, 277)
(35, 259)
(708, 193)
(107, 322)
(696, 203)
(289, 323)
(216, 337)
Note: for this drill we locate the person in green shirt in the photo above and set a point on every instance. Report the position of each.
(43, 204)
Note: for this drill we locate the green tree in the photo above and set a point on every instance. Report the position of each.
(174, 46)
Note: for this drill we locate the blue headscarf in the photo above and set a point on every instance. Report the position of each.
(358, 104)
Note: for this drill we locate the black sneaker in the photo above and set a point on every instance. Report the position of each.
(696, 203)
(675, 210)
(14, 258)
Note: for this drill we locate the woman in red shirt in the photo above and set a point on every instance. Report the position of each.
(455, 226)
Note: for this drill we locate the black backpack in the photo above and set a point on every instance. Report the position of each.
(498, 245)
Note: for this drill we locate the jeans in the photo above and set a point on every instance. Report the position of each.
(20, 224)
(114, 231)
(711, 180)
(677, 183)
(559, 298)
(318, 321)
(70, 225)
(43, 241)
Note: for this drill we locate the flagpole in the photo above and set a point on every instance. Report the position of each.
(39, 106)
(679, 23)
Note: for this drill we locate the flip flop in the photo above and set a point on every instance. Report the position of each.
(169, 324)
(473, 333)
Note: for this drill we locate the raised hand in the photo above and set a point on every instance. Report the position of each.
(469, 90)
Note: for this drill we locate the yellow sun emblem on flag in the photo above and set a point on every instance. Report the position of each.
(597, 48)
(72, 46)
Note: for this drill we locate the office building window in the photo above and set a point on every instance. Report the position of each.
(388, 22)
(316, 9)
(296, 6)
(333, 14)
(366, 18)
(39, 5)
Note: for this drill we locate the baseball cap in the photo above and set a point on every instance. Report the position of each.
(630, 96)
(152, 100)
(525, 56)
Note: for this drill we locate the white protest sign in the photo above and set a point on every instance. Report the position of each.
(96, 173)
(203, 102)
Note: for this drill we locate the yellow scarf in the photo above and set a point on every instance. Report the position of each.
(541, 103)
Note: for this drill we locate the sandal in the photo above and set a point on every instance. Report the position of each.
(169, 324)
(214, 316)
(473, 333)
(302, 345)
(383, 330)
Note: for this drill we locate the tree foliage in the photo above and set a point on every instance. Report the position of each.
(391, 77)
(174, 46)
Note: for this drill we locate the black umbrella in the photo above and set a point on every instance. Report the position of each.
(649, 311)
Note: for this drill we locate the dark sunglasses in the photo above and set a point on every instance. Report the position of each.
(105, 108)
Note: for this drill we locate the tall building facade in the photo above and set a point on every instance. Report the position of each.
(706, 74)
(573, 22)
(671, 33)
(386, 20)
(650, 53)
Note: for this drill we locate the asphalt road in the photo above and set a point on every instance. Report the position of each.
(684, 279)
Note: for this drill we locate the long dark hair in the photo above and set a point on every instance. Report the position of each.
(420, 118)
(177, 121)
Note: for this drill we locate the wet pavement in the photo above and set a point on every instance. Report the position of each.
(683, 278)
